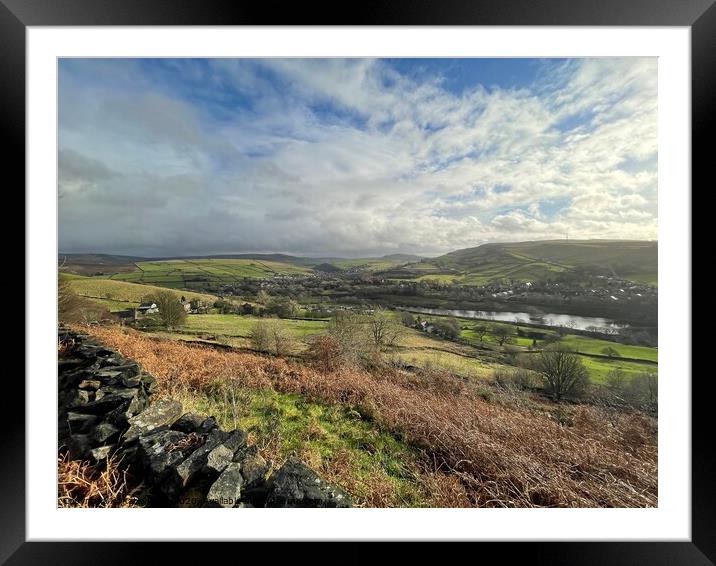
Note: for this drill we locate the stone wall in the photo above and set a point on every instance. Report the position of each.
(184, 459)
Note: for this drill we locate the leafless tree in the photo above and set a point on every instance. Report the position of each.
(563, 372)
(384, 330)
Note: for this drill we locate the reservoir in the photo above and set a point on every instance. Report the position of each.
(588, 323)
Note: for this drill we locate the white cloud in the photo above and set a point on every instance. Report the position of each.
(395, 165)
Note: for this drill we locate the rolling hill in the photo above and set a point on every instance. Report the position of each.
(529, 261)
(119, 295)
(634, 260)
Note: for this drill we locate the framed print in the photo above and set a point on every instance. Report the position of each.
(419, 276)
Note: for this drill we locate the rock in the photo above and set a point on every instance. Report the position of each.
(110, 401)
(109, 376)
(70, 379)
(80, 398)
(130, 369)
(253, 467)
(150, 383)
(131, 381)
(70, 364)
(79, 446)
(190, 422)
(101, 453)
(185, 472)
(226, 490)
(127, 455)
(114, 360)
(120, 416)
(208, 425)
(159, 453)
(162, 413)
(297, 485)
(91, 384)
(218, 459)
(80, 423)
(105, 432)
(89, 351)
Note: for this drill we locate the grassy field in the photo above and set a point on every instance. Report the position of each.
(185, 273)
(119, 295)
(599, 368)
(239, 326)
(648, 278)
(587, 345)
(367, 264)
(423, 350)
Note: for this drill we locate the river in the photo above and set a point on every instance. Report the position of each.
(599, 324)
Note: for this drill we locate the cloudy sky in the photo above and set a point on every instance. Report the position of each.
(353, 157)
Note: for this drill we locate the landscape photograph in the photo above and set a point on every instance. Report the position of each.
(357, 283)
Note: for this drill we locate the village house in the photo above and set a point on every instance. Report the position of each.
(148, 308)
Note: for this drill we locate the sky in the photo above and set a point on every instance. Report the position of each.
(353, 157)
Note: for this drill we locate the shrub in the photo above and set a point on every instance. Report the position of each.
(447, 328)
(407, 319)
(260, 336)
(518, 378)
(82, 485)
(270, 336)
(326, 352)
(285, 307)
(643, 389)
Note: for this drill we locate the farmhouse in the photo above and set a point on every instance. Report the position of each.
(148, 308)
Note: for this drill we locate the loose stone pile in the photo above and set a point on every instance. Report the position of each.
(185, 459)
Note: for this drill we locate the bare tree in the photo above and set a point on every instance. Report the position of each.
(563, 372)
(282, 342)
(502, 334)
(347, 331)
(384, 331)
(271, 336)
(616, 381)
(481, 330)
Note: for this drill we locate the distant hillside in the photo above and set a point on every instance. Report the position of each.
(119, 295)
(402, 257)
(104, 264)
(532, 261)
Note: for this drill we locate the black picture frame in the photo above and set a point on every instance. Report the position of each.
(699, 15)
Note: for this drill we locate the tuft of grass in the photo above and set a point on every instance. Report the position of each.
(81, 484)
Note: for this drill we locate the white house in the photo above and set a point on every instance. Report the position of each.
(148, 308)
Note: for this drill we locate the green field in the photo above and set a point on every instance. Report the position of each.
(120, 295)
(185, 273)
(599, 368)
(239, 326)
(587, 345)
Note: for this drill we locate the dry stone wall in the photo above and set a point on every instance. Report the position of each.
(185, 459)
